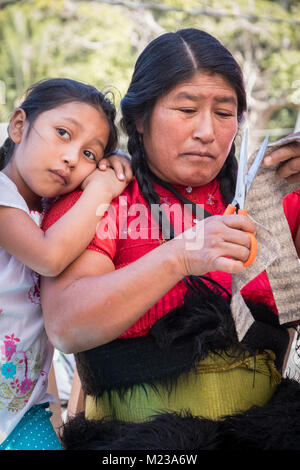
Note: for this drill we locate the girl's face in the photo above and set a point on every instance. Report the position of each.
(191, 130)
(60, 149)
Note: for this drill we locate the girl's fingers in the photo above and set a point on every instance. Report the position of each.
(103, 164)
(115, 164)
(128, 172)
(118, 168)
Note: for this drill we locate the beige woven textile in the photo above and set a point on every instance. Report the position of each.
(276, 252)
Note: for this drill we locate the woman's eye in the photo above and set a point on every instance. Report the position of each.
(63, 133)
(187, 110)
(90, 155)
(222, 114)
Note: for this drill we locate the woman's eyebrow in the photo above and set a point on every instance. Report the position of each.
(188, 96)
(225, 99)
(218, 99)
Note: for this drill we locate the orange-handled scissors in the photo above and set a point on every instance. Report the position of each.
(243, 183)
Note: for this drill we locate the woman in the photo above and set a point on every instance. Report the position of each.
(150, 319)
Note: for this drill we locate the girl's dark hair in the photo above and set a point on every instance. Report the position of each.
(54, 92)
(166, 62)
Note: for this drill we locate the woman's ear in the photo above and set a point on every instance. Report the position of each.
(17, 125)
(139, 124)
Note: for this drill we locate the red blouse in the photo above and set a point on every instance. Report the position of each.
(128, 232)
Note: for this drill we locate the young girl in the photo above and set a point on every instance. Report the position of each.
(57, 138)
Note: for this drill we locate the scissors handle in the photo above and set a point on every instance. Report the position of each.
(230, 209)
(253, 243)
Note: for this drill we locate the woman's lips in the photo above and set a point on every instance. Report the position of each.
(198, 155)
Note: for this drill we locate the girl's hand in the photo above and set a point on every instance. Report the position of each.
(120, 163)
(106, 184)
(218, 243)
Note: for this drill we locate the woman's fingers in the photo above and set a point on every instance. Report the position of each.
(237, 252)
(224, 244)
(229, 265)
(289, 168)
(283, 154)
(239, 222)
(238, 237)
(288, 159)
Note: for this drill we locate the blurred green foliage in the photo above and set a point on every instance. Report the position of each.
(98, 43)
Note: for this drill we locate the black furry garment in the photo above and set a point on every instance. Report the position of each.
(176, 343)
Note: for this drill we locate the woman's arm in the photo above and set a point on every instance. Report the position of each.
(51, 252)
(91, 303)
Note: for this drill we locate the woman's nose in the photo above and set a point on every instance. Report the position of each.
(204, 128)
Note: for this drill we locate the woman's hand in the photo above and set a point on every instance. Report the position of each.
(288, 158)
(218, 243)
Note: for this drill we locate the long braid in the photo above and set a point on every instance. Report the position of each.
(139, 164)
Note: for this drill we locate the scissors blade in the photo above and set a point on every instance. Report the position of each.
(240, 191)
(256, 164)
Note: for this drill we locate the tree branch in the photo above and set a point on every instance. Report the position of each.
(5, 3)
(195, 12)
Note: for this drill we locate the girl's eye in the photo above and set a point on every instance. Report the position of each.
(63, 133)
(90, 155)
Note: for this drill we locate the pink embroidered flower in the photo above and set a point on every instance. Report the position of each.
(12, 337)
(210, 199)
(9, 348)
(26, 385)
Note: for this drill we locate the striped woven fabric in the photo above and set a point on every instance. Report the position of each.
(276, 251)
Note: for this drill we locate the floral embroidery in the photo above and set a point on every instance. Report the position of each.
(8, 370)
(210, 199)
(9, 346)
(18, 374)
(26, 385)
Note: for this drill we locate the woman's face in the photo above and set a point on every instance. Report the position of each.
(191, 130)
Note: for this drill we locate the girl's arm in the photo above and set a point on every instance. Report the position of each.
(51, 252)
(91, 303)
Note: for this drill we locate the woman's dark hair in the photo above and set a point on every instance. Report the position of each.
(54, 92)
(166, 62)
